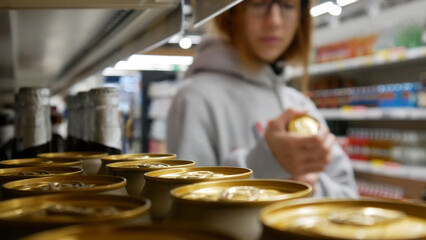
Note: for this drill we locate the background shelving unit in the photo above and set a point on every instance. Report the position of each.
(361, 113)
(393, 64)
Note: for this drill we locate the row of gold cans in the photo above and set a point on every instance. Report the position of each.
(205, 202)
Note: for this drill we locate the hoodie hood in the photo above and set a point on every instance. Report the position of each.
(217, 55)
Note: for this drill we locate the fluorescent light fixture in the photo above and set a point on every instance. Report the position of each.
(343, 3)
(110, 71)
(321, 9)
(335, 10)
(155, 63)
(195, 39)
(327, 7)
(185, 43)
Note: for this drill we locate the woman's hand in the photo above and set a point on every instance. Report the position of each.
(299, 155)
(309, 178)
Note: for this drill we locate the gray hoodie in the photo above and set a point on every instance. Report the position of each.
(219, 119)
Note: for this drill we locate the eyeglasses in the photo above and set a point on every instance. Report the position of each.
(261, 8)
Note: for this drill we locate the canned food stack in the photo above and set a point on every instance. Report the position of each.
(23, 216)
(53, 193)
(172, 198)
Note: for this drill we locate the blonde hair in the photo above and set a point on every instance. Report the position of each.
(230, 23)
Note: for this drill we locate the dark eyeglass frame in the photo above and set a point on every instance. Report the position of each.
(303, 5)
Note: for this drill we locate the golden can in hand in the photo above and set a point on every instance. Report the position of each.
(304, 125)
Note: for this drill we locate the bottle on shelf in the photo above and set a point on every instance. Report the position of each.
(84, 113)
(32, 126)
(58, 142)
(7, 132)
(71, 142)
(105, 130)
(80, 122)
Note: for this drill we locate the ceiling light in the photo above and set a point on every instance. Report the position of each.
(155, 62)
(185, 43)
(321, 9)
(335, 10)
(343, 3)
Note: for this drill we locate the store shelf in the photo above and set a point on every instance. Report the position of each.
(58, 43)
(391, 180)
(363, 113)
(417, 173)
(379, 59)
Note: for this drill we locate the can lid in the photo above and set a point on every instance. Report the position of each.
(137, 232)
(198, 174)
(73, 155)
(25, 162)
(241, 192)
(154, 156)
(136, 157)
(64, 184)
(71, 208)
(346, 219)
(148, 165)
(38, 171)
(304, 125)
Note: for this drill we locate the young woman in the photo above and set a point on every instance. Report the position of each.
(236, 107)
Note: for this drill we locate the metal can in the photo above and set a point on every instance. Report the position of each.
(23, 216)
(133, 157)
(129, 233)
(321, 219)
(90, 161)
(35, 162)
(304, 125)
(133, 171)
(232, 206)
(158, 184)
(14, 174)
(66, 184)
